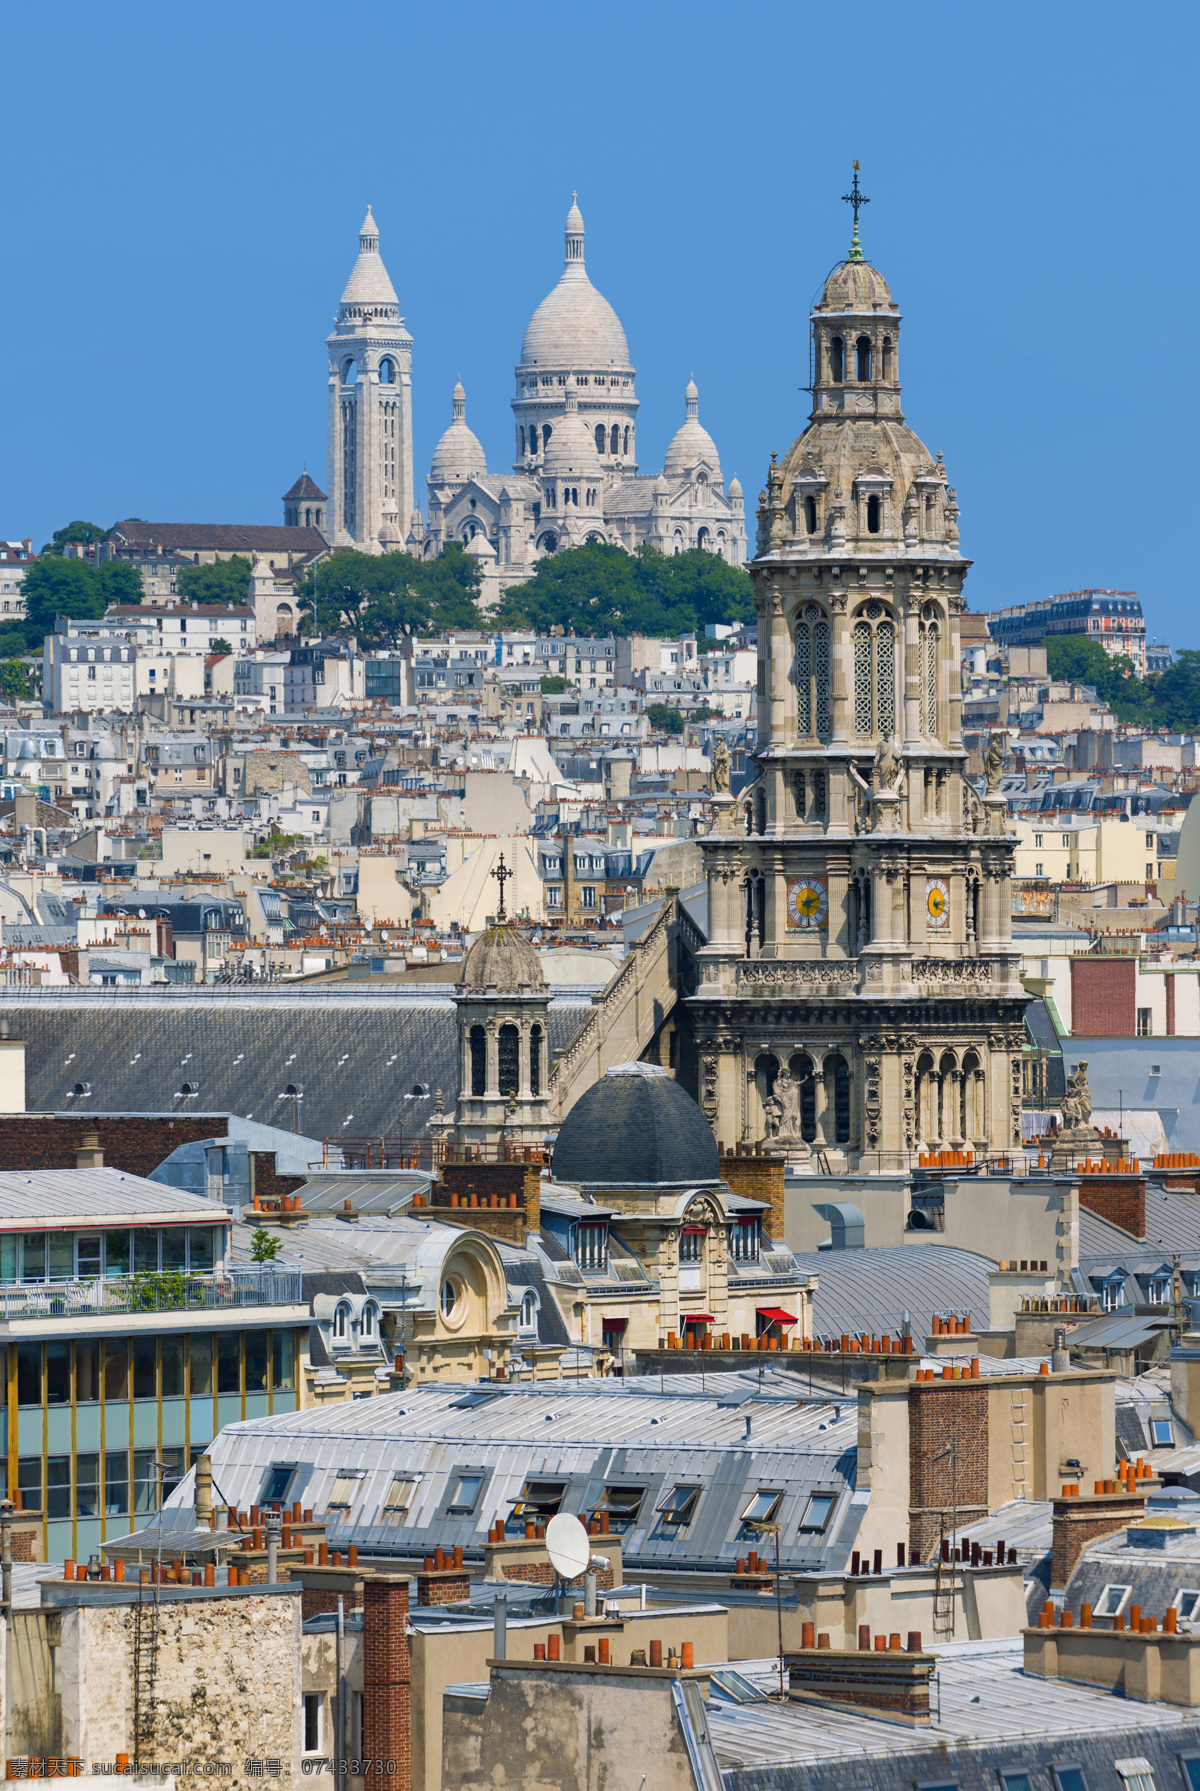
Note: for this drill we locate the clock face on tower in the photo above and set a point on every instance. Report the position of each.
(807, 903)
(937, 902)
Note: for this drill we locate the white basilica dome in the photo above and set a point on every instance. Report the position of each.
(691, 442)
(575, 326)
(459, 454)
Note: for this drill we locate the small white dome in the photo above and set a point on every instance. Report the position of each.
(572, 447)
(691, 443)
(735, 488)
(459, 454)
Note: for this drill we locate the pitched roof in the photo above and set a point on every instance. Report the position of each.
(216, 537)
(305, 487)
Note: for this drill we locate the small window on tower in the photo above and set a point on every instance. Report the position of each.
(810, 515)
(836, 360)
(873, 503)
(862, 355)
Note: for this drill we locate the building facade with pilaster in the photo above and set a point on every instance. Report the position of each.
(859, 998)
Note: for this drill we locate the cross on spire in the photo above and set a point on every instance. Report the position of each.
(855, 198)
(502, 875)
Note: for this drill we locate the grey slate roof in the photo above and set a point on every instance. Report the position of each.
(356, 1053)
(1172, 1223)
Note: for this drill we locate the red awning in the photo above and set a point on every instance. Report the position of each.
(700, 1318)
(613, 1324)
(776, 1315)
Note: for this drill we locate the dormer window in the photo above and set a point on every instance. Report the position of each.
(341, 1322)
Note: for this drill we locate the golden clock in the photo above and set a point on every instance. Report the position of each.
(807, 902)
(937, 902)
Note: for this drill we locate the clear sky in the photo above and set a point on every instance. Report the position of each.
(183, 188)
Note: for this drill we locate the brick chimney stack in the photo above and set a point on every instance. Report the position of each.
(387, 1690)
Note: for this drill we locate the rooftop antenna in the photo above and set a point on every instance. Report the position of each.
(855, 198)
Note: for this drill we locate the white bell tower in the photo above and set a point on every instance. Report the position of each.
(370, 409)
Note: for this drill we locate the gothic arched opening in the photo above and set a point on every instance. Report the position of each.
(509, 1081)
(836, 360)
(477, 1041)
(535, 1060)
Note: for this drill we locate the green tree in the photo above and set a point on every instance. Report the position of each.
(598, 590)
(553, 684)
(663, 717)
(1173, 696)
(1075, 659)
(18, 680)
(85, 532)
(119, 581)
(220, 645)
(56, 587)
(380, 597)
(226, 581)
(12, 641)
(263, 1247)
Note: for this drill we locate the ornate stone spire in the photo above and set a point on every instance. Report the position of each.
(574, 235)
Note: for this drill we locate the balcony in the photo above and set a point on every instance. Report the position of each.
(169, 1291)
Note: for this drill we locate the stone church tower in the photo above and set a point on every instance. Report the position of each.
(370, 409)
(859, 996)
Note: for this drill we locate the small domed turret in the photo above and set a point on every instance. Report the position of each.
(459, 454)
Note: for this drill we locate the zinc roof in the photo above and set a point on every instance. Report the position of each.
(583, 1439)
(89, 1195)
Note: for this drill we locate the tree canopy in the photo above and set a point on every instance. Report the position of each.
(379, 597)
(56, 587)
(663, 717)
(599, 590)
(226, 581)
(1169, 699)
(85, 532)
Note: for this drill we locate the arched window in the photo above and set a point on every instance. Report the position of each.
(547, 432)
(367, 1327)
(874, 505)
(601, 436)
(813, 685)
(801, 1067)
(810, 515)
(627, 439)
(841, 1100)
(341, 1321)
(887, 358)
(535, 1060)
(477, 1039)
(529, 1312)
(510, 1060)
(862, 358)
(350, 371)
(874, 641)
(702, 538)
(930, 642)
(449, 1298)
(677, 545)
(614, 440)
(387, 372)
(521, 434)
(836, 360)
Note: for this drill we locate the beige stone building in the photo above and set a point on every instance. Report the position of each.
(858, 994)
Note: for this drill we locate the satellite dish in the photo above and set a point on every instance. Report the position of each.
(567, 1546)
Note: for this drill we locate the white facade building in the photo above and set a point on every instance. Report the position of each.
(370, 409)
(85, 675)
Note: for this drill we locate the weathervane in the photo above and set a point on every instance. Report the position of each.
(855, 198)
(502, 875)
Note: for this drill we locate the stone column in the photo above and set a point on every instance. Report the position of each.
(839, 667)
(493, 1060)
(838, 943)
(821, 1101)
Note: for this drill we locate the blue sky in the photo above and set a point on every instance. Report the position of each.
(183, 189)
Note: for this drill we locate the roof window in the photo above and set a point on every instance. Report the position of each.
(679, 1506)
(345, 1489)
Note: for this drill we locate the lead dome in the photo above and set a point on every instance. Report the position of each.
(636, 1126)
(502, 960)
